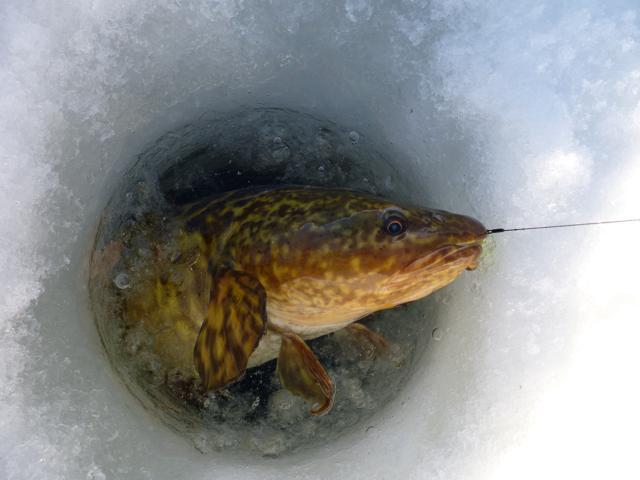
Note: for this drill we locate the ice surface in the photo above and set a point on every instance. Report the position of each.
(515, 112)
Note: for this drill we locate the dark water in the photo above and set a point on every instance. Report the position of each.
(221, 153)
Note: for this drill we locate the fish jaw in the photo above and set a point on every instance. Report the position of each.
(447, 257)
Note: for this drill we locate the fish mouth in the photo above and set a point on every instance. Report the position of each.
(441, 265)
(465, 254)
(468, 249)
(462, 244)
(473, 254)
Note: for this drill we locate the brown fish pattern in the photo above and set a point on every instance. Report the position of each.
(261, 270)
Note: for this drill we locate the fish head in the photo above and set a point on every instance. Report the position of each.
(425, 249)
(364, 253)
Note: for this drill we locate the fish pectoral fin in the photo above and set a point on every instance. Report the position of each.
(235, 322)
(365, 335)
(303, 375)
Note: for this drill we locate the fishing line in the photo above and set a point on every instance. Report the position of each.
(501, 230)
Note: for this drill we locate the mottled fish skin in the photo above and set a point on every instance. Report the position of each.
(322, 255)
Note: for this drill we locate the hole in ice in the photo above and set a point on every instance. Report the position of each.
(154, 356)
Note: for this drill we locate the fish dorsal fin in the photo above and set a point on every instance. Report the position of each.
(236, 319)
(303, 375)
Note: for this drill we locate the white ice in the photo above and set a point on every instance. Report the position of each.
(519, 113)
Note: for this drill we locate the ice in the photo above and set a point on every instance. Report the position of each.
(436, 334)
(518, 113)
(121, 281)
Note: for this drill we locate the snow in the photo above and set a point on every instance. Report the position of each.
(517, 113)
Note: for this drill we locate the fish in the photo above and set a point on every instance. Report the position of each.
(260, 271)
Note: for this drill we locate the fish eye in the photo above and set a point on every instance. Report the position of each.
(395, 225)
